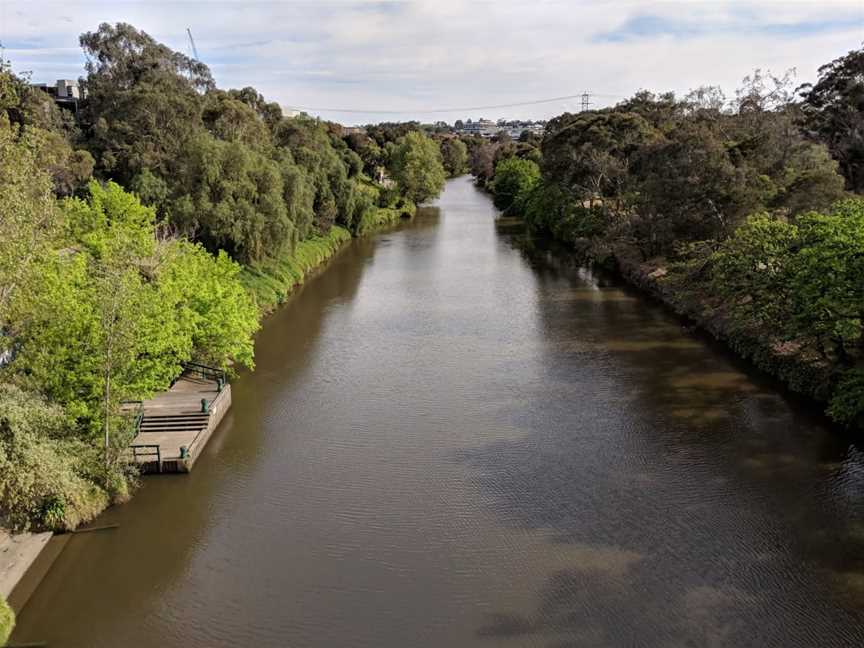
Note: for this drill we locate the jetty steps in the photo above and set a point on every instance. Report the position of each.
(173, 427)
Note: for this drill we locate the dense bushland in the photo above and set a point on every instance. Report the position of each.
(737, 212)
(153, 230)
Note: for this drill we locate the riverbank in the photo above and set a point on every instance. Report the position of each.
(271, 282)
(25, 559)
(795, 364)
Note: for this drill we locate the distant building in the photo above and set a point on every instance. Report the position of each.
(487, 128)
(65, 92)
(482, 127)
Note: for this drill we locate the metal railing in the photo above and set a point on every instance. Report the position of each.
(213, 373)
(138, 411)
(145, 450)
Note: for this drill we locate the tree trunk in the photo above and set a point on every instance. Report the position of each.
(107, 416)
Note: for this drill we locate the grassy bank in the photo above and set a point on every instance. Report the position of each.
(7, 621)
(380, 217)
(271, 282)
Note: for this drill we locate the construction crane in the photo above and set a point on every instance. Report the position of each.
(192, 43)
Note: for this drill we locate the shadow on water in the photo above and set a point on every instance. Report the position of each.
(696, 501)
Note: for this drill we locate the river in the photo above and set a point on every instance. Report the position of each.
(449, 442)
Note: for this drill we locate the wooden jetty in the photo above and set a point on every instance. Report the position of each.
(173, 427)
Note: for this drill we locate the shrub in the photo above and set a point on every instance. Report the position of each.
(847, 404)
(7, 621)
(47, 477)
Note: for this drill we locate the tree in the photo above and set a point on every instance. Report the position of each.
(483, 162)
(233, 200)
(590, 153)
(417, 167)
(752, 269)
(29, 219)
(801, 281)
(311, 148)
(368, 150)
(114, 317)
(834, 114)
(685, 188)
(514, 180)
(142, 105)
(70, 169)
(826, 288)
(46, 471)
(232, 120)
(269, 111)
(215, 311)
(454, 154)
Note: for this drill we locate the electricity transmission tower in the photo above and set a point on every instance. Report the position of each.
(586, 100)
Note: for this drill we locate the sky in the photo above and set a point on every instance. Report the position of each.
(402, 60)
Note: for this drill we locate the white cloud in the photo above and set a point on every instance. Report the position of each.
(414, 56)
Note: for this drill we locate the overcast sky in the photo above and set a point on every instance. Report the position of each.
(417, 56)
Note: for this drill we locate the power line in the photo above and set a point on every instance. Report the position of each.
(448, 110)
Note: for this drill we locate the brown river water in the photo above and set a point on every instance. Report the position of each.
(450, 442)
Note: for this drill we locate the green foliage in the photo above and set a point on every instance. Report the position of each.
(549, 210)
(590, 153)
(233, 200)
(416, 166)
(684, 188)
(116, 315)
(826, 284)
(379, 217)
(29, 218)
(211, 308)
(666, 171)
(454, 154)
(233, 120)
(752, 269)
(746, 194)
(334, 192)
(7, 621)
(104, 294)
(225, 169)
(514, 180)
(801, 282)
(46, 474)
(142, 105)
(834, 112)
(271, 281)
(483, 158)
(847, 403)
(371, 155)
